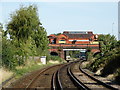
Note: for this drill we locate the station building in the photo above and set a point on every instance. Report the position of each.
(73, 40)
(73, 37)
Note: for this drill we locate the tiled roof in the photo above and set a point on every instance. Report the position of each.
(72, 36)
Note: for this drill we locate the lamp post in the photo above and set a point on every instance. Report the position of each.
(112, 27)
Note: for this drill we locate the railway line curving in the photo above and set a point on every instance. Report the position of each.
(67, 76)
(88, 80)
(97, 80)
(72, 76)
(64, 79)
(43, 79)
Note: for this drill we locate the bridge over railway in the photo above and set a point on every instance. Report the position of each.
(61, 49)
(73, 41)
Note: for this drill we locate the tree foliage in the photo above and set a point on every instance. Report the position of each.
(8, 51)
(24, 27)
(23, 23)
(1, 29)
(41, 40)
(109, 63)
(27, 36)
(107, 42)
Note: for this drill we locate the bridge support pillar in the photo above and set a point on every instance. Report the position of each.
(62, 54)
(65, 55)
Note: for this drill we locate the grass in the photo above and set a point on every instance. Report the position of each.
(29, 66)
(5, 74)
(21, 70)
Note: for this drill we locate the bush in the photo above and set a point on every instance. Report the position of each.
(112, 65)
(8, 52)
(54, 58)
(117, 78)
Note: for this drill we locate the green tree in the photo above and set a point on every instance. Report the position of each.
(107, 42)
(26, 32)
(8, 53)
(118, 44)
(1, 29)
(41, 41)
(23, 23)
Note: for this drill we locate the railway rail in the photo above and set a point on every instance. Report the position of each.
(36, 80)
(72, 76)
(64, 79)
(66, 76)
(87, 80)
(97, 80)
(43, 79)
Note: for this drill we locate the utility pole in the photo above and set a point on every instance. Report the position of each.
(119, 20)
(112, 27)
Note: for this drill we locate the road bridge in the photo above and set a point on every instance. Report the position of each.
(61, 49)
(73, 41)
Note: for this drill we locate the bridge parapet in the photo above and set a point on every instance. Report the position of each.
(84, 46)
(60, 48)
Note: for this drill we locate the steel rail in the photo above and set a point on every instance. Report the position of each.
(58, 76)
(43, 70)
(54, 81)
(93, 78)
(57, 84)
(79, 84)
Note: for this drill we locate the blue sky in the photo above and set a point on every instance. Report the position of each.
(59, 16)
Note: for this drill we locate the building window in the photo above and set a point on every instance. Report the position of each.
(62, 41)
(90, 39)
(74, 41)
(54, 41)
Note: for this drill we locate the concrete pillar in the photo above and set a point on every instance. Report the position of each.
(65, 55)
(62, 54)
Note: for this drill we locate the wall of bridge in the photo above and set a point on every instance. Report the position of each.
(60, 48)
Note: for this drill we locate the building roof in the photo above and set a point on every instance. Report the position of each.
(82, 35)
(74, 35)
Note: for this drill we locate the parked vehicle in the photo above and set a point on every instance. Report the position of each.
(68, 58)
(83, 58)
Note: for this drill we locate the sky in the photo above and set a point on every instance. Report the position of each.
(56, 17)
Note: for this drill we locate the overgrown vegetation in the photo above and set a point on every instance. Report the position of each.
(28, 38)
(54, 58)
(24, 39)
(108, 61)
(74, 54)
(1, 44)
(28, 68)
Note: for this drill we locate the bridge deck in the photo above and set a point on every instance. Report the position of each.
(76, 46)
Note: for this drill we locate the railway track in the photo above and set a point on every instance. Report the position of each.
(71, 76)
(67, 76)
(37, 80)
(43, 79)
(64, 79)
(87, 80)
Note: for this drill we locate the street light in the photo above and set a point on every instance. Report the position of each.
(112, 27)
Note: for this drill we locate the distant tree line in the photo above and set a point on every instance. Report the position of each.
(27, 37)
